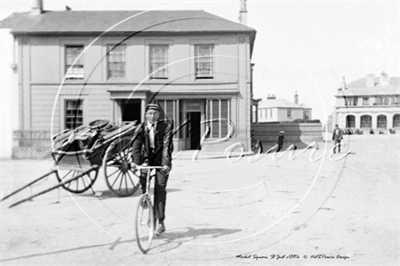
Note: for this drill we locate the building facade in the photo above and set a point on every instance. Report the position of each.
(78, 66)
(368, 103)
(282, 110)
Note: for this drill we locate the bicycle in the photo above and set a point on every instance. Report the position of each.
(144, 225)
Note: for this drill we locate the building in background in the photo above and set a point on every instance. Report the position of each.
(368, 103)
(78, 66)
(282, 110)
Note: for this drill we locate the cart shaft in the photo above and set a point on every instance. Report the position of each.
(28, 185)
(94, 167)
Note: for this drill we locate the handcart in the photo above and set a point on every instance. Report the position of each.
(80, 153)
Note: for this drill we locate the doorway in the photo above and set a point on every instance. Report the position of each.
(193, 130)
(131, 110)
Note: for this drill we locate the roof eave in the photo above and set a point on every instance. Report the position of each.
(58, 33)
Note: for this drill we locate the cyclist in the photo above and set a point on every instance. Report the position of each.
(153, 146)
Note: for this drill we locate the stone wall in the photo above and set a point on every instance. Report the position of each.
(301, 134)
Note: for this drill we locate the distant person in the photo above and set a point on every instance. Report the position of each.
(280, 140)
(337, 137)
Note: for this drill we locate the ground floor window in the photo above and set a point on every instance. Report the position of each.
(350, 121)
(170, 112)
(218, 115)
(382, 122)
(396, 120)
(366, 121)
(73, 113)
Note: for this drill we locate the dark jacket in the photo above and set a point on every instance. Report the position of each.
(337, 136)
(162, 141)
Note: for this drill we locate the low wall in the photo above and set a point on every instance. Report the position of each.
(31, 144)
(299, 134)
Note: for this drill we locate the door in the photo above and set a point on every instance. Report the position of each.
(193, 132)
(130, 110)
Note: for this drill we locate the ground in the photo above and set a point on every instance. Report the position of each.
(249, 210)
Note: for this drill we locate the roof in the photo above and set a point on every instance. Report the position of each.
(278, 103)
(359, 88)
(155, 21)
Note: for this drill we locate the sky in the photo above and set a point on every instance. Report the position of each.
(303, 46)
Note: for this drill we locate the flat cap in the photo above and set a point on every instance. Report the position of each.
(152, 106)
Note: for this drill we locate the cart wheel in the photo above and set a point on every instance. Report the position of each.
(119, 175)
(79, 185)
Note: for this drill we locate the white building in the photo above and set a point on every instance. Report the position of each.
(368, 103)
(282, 110)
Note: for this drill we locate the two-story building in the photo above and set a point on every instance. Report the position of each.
(274, 109)
(368, 103)
(78, 66)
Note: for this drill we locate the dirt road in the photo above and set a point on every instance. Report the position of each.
(257, 211)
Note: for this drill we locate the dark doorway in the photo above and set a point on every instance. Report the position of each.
(193, 130)
(130, 110)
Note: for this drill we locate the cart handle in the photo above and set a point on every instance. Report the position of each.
(141, 167)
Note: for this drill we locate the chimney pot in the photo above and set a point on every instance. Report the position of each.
(344, 83)
(37, 7)
(243, 12)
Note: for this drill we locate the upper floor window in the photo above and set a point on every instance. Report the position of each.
(74, 70)
(306, 115)
(395, 100)
(116, 61)
(289, 113)
(365, 101)
(346, 101)
(204, 65)
(386, 100)
(73, 113)
(379, 100)
(355, 101)
(159, 61)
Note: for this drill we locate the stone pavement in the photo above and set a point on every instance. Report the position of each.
(247, 210)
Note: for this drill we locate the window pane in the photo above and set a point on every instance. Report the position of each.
(73, 113)
(366, 121)
(74, 70)
(215, 118)
(116, 61)
(159, 61)
(204, 60)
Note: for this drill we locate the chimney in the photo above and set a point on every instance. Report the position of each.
(271, 96)
(370, 81)
(384, 80)
(296, 98)
(243, 12)
(343, 83)
(37, 7)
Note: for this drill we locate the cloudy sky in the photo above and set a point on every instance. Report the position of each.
(303, 46)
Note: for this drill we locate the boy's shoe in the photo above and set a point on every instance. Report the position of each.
(160, 228)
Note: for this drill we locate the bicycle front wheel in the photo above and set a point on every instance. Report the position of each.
(144, 223)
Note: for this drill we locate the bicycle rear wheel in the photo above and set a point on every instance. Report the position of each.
(144, 223)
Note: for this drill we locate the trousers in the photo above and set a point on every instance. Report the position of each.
(160, 193)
